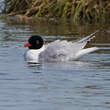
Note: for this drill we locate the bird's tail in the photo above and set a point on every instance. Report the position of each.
(88, 38)
(86, 51)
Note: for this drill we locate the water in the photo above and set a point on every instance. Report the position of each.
(2, 6)
(71, 85)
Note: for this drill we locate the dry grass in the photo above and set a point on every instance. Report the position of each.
(77, 10)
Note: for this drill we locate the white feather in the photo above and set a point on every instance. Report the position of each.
(85, 51)
(61, 50)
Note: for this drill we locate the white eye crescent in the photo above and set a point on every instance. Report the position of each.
(37, 41)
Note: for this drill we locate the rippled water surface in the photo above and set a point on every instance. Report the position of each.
(72, 85)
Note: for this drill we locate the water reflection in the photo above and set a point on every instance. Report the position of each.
(53, 85)
(44, 27)
(1, 6)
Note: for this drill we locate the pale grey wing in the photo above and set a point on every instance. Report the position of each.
(83, 41)
(88, 38)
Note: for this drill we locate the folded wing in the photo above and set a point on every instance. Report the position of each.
(82, 42)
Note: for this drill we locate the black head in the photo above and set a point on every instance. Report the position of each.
(35, 42)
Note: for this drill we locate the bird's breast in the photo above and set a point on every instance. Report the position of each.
(32, 55)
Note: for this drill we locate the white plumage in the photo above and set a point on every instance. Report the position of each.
(61, 50)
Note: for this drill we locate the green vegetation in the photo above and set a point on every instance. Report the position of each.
(76, 10)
